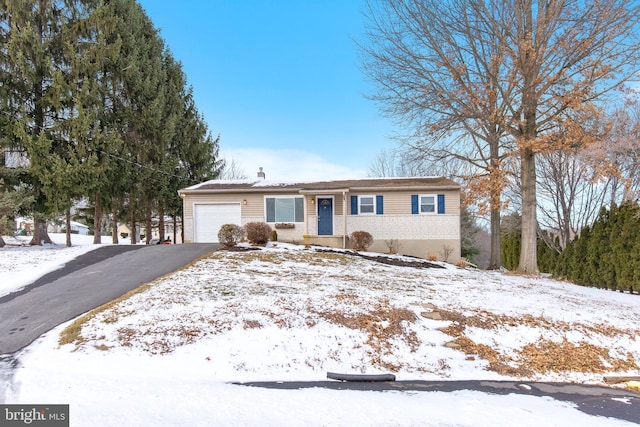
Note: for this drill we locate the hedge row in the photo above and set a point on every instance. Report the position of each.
(605, 255)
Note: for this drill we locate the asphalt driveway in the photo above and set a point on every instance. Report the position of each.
(89, 281)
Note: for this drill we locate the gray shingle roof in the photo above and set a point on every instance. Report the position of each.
(351, 184)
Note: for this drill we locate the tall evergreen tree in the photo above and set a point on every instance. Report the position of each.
(31, 56)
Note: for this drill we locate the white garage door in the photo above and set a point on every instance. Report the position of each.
(208, 218)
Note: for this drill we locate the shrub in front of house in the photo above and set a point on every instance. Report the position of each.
(360, 240)
(230, 234)
(258, 233)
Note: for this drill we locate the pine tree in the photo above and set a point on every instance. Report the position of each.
(30, 57)
(623, 236)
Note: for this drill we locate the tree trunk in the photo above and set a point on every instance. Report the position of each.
(161, 223)
(495, 202)
(528, 253)
(114, 224)
(97, 221)
(495, 261)
(148, 228)
(182, 228)
(175, 224)
(134, 237)
(2, 243)
(35, 239)
(68, 227)
(40, 233)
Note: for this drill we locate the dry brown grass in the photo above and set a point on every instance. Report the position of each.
(543, 356)
(549, 356)
(383, 324)
(251, 324)
(73, 333)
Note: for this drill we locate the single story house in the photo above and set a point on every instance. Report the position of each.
(417, 216)
(76, 227)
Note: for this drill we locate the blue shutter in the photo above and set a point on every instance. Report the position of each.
(379, 205)
(440, 203)
(414, 204)
(354, 205)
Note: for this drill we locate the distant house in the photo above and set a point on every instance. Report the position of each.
(418, 216)
(76, 228)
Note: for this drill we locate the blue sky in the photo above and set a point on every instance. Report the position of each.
(279, 80)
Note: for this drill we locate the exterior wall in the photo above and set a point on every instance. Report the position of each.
(421, 248)
(399, 202)
(417, 235)
(255, 203)
(406, 226)
(188, 229)
(252, 211)
(337, 225)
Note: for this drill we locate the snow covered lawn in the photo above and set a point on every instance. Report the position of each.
(163, 355)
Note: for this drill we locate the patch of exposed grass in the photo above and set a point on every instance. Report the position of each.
(251, 324)
(543, 356)
(382, 325)
(549, 356)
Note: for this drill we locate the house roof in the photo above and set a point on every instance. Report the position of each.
(266, 186)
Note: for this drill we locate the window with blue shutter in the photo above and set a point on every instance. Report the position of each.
(354, 205)
(379, 206)
(440, 203)
(427, 204)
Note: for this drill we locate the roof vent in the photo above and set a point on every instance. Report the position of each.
(261, 174)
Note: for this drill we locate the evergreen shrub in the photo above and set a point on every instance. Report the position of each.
(230, 234)
(607, 254)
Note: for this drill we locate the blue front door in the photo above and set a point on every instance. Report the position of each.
(325, 216)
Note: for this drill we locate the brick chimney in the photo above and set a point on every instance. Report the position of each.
(261, 174)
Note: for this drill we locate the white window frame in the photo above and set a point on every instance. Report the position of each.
(275, 214)
(375, 207)
(435, 204)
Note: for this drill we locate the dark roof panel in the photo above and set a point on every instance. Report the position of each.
(368, 183)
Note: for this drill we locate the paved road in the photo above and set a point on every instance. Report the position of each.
(83, 284)
(593, 400)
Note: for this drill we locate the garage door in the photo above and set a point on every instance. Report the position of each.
(208, 218)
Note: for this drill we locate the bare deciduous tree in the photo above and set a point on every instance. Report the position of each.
(437, 69)
(482, 80)
(569, 196)
(231, 170)
(391, 163)
(618, 155)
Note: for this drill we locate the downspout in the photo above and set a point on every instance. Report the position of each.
(306, 216)
(344, 220)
